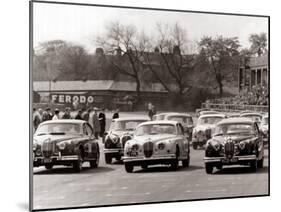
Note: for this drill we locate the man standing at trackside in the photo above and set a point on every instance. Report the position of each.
(96, 123)
(102, 119)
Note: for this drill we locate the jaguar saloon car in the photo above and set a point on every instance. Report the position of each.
(65, 142)
(236, 141)
(204, 127)
(120, 131)
(157, 142)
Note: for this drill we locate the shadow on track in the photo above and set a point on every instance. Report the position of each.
(240, 170)
(69, 170)
(166, 169)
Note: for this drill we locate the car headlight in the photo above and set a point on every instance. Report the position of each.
(242, 144)
(135, 147)
(161, 146)
(215, 144)
(61, 145)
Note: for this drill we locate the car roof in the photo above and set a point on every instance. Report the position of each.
(250, 113)
(131, 119)
(213, 115)
(159, 122)
(64, 121)
(179, 114)
(236, 120)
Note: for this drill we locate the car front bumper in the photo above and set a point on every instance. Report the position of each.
(55, 160)
(155, 159)
(233, 160)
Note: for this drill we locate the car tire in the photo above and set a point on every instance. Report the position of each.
(129, 167)
(95, 163)
(49, 166)
(254, 165)
(195, 146)
(185, 163)
(108, 158)
(77, 165)
(260, 163)
(209, 168)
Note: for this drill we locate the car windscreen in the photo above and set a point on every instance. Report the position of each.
(253, 117)
(155, 129)
(235, 128)
(58, 128)
(209, 120)
(125, 125)
(182, 119)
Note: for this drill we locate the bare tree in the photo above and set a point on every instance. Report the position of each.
(126, 47)
(173, 58)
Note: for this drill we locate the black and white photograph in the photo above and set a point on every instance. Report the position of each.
(132, 105)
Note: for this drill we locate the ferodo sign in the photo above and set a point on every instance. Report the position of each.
(71, 98)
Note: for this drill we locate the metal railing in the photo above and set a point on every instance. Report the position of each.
(234, 107)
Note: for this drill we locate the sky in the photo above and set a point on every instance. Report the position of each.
(81, 24)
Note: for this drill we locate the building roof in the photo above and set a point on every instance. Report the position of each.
(94, 85)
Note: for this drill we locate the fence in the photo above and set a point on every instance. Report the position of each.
(234, 107)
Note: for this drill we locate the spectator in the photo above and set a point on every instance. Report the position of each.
(50, 115)
(36, 119)
(79, 115)
(56, 116)
(96, 123)
(116, 114)
(66, 114)
(45, 116)
(102, 119)
(86, 115)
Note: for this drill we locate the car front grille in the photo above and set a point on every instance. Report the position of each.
(48, 148)
(148, 149)
(229, 149)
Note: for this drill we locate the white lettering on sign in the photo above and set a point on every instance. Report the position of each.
(61, 98)
(82, 99)
(54, 98)
(68, 98)
(90, 99)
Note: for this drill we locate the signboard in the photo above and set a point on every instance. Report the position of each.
(75, 98)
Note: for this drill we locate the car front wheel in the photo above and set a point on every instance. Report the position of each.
(209, 168)
(185, 163)
(260, 163)
(108, 158)
(254, 165)
(129, 167)
(77, 165)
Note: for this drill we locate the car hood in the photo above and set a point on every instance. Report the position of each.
(235, 138)
(153, 138)
(55, 138)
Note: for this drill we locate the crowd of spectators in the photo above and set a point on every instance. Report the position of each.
(258, 95)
